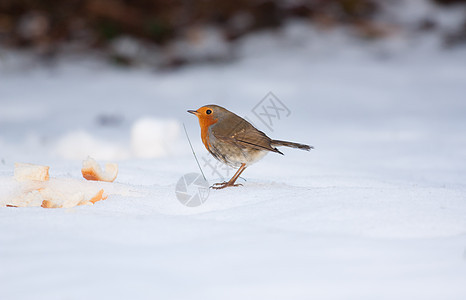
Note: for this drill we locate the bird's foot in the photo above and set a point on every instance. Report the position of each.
(222, 185)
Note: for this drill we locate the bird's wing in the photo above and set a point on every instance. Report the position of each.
(241, 132)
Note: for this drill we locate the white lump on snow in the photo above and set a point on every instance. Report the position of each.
(80, 144)
(150, 138)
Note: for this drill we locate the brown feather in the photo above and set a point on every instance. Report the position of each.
(237, 129)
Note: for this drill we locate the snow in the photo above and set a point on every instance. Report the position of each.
(377, 210)
(79, 144)
(149, 138)
(154, 138)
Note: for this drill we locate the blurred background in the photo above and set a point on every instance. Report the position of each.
(168, 34)
(93, 76)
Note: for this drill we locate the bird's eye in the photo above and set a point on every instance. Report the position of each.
(208, 111)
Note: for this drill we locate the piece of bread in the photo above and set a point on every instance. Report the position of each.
(66, 193)
(34, 188)
(99, 196)
(92, 171)
(26, 198)
(27, 172)
(60, 199)
(58, 193)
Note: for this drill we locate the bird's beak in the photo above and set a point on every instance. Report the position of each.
(194, 112)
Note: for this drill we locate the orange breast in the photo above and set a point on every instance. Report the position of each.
(205, 123)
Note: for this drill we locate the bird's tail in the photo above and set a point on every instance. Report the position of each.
(291, 144)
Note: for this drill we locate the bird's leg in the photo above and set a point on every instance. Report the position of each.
(232, 181)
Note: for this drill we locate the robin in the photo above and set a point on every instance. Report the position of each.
(234, 141)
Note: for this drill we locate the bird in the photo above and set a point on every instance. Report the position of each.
(234, 141)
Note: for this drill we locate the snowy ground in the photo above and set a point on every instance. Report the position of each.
(376, 211)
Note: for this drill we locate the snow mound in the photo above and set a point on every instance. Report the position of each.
(151, 138)
(81, 144)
